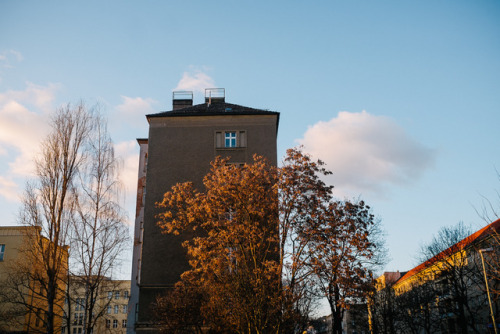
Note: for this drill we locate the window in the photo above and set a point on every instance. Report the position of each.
(109, 309)
(116, 309)
(115, 323)
(108, 323)
(110, 294)
(117, 294)
(124, 323)
(125, 294)
(79, 304)
(230, 139)
(38, 315)
(124, 309)
(78, 319)
(2, 252)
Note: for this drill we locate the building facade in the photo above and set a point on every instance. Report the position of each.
(180, 146)
(111, 308)
(455, 291)
(23, 299)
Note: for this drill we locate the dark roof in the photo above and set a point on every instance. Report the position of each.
(214, 109)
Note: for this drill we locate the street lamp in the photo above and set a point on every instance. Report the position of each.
(487, 286)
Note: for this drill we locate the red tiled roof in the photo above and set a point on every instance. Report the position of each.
(464, 243)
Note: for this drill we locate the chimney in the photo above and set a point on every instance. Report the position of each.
(215, 95)
(182, 99)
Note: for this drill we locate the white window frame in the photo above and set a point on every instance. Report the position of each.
(230, 139)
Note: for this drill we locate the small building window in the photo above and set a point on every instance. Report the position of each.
(110, 294)
(124, 323)
(124, 309)
(230, 139)
(109, 309)
(117, 294)
(108, 323)
(115, 323)
(117, 309)
(125, 294)
(2, 252)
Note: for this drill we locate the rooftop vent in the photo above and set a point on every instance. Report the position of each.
(215, 95)
(182, 99)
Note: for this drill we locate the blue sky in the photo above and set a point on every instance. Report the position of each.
(400, 98)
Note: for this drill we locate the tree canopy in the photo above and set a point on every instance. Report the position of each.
(266, 243)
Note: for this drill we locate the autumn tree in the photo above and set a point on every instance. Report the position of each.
(343, 255)
(179, 311)
(234, 255)
(302, 194)
(261, 235)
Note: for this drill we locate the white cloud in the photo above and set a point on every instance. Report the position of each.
(23, 123)
(195, 80)
(128, 153)
(7, 56)
(134, 109)
(8, 189)
(366, 153)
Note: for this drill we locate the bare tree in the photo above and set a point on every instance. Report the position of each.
(100, 235)
(73, 200)
(457, 276)
(490, 208)
(417, 311)
(48, 203)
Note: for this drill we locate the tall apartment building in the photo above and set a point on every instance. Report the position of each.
(181, 144)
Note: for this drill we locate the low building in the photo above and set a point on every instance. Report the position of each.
(110, 311)
(445, 294)
(23, 298)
